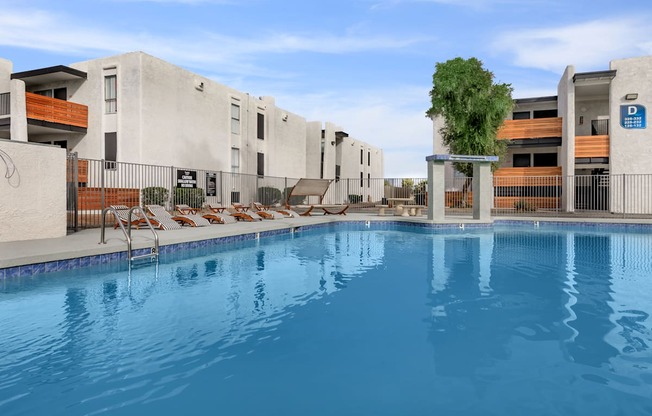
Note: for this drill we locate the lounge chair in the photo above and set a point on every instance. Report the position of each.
(266, 212)
(243, 213)
(166, 219)
(211, 217)
(188, 213)
(185, 209)
(218, 209)
(122, 212)
(314, 187)
(219, 215)
(287, 213)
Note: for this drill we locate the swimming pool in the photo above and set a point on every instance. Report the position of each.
(346, 320)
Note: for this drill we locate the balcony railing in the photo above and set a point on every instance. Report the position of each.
(591, 146)
(530, 129)
(56, 111)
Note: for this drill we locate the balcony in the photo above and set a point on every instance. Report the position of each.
(56, 113)
(538, 128)
(592, 146)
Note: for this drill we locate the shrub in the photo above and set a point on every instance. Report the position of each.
(154, 195)
(191, 196)
(294, 200)
(523, 205)
(407, 183)
(268, 195)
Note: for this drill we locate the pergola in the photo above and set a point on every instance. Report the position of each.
(482, 185)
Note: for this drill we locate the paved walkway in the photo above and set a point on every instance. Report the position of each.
(86, 242)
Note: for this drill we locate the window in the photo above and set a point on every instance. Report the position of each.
(368, 180)
(261, 164)
(110, 150)
(361, 179)
(361, 156)
(599, 127)
(545, 113)
(368, 158)
(235, 119)
(58, 93)
(545, 159)
(521, 160)
(111, 94)
(520, 115)
(338, 172)
(261, 126)
(235, 160)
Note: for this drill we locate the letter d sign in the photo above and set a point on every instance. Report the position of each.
(631, 110)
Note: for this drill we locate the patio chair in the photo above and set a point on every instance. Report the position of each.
(216, 208)
(168, 220)
(287, 213)
(122, 212)
(266, 212)
(185, 209)
(314, 187)
(242, 213)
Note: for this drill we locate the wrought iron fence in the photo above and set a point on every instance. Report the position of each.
(96, 184)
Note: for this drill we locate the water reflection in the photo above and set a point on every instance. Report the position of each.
(569, 296)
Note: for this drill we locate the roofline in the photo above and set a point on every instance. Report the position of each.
(595, 75)
(535, 99)
(49, 70)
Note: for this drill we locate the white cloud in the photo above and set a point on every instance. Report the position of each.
(473, 4)
(60, 33)
(587, 45)
(393, 120)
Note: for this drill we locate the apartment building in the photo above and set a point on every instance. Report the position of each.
(137, 108)
(585, 148)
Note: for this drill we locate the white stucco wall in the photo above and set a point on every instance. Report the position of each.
(631, 149)
(33, 203)
(566, 110)
(6, 68)
(164, 118)
(313, 149)
(168, 116)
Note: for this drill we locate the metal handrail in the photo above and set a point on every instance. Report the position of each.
(127, 232)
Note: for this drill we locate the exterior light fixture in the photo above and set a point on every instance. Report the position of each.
(631, 96)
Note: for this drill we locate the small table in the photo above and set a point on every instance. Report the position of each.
(399, 206)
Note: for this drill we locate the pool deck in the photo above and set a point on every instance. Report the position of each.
(87, 242)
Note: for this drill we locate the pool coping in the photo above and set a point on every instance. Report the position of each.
(82, 249)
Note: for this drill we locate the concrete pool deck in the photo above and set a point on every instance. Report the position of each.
(86, 242)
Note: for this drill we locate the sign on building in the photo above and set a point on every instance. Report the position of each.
(186, 178)
(632, 116)
(211, 184)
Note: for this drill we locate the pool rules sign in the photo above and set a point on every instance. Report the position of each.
(632, 116)
(186, 178)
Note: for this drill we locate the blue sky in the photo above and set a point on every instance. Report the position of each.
(365, 65)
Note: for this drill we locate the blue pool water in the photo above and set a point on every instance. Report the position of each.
(342, 321)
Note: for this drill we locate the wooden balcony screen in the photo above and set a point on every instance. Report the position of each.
(592, 146)
(530, 129)
(53, 110)
(535, 176)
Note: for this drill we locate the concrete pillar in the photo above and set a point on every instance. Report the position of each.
(482, 191)
(18, 128)
(436, 190)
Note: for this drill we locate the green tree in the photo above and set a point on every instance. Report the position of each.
(473, 108)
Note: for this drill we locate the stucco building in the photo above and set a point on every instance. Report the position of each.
(140, 109)
(586, 147)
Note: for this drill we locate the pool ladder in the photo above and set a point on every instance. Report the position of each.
(127, 233)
